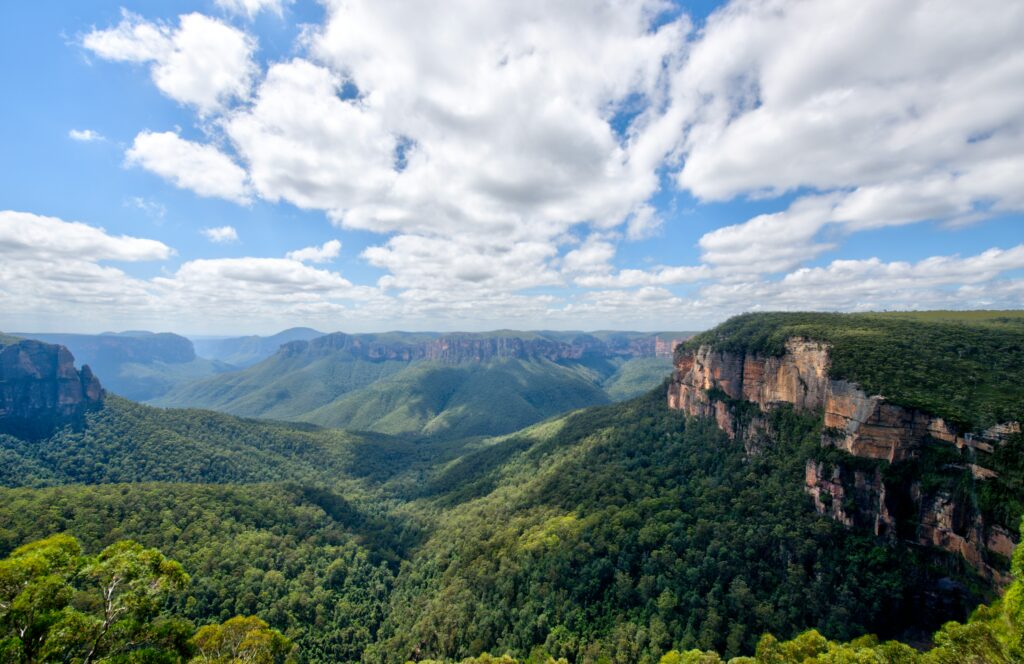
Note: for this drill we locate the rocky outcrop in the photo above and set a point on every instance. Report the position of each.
(863, 425)
(41, 391)
(723, 385)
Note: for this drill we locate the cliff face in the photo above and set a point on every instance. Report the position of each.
(458, 348)
(709, 383)
(41, 391)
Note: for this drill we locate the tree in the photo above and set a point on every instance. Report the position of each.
(34, 589)
(241, 640)
(56, 605)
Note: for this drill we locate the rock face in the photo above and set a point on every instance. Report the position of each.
(41, 391)
(457, 348)
(709, 383)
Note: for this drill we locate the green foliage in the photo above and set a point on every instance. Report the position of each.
(241, 640)
(129, 442)
(962, 366)
(342, 387)
(56, 605)
(625, 530)
(462, 400)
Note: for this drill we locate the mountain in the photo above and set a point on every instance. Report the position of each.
(685, 518)
(137, 365)
(424, 384)
(245, 351)
(920, 417)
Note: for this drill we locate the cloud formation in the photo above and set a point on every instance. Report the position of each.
(322, 254)
(188, 165)
(203, 62)
(507, 155)
(220, 234)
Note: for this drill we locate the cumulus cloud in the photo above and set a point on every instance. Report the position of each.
(85, 135)
(906, 105)
(662, 276)
(202, 168)
(220, 234)
(327, 251)
(481, 142)
(203, 62)
(48, 264)
(24, 235)
(252, 7)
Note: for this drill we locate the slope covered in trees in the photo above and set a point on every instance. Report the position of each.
(622, 533)
(417, 384)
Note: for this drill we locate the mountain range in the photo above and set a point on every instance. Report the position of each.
(842, 473)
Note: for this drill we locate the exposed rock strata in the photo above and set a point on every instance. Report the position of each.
(456, 348)
(41, 391)
(709, 383)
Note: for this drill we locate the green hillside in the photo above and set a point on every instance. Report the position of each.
(129, 442)
(618, 532)
(342, 387)
(464, 399)
(963, 366)
(283, 386)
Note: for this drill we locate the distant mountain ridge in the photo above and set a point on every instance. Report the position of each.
(248, 350)
(138, 365)
(422, 383)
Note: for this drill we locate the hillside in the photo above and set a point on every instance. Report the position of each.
(615, 533)
(455, 385)
(245, 351)
(136, 365)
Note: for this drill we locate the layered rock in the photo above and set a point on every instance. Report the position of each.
(458, 348)
(710, 383)
(41, 391)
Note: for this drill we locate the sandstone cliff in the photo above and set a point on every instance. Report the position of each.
(457, 348)
(41, 391)
(725, 386)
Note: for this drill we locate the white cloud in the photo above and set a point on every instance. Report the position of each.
(252, 7)
(484, 139)
(771, 242)
(468, 267)
(220, 234)
(202, 168)
(906, 105)
(48, 265)
(662, 276)
(852, 285)
(304, 144)
(326, 252)
(594, 255)
(203, 63)
(85, 135)
(26, 235)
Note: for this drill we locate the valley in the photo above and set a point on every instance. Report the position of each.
(737, 497)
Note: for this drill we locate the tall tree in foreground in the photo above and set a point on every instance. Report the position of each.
(56, 605)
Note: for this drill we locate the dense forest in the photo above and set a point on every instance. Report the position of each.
(621, 533)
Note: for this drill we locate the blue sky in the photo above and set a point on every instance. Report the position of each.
(637, 165)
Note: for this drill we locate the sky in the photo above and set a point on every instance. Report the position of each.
(242, 166)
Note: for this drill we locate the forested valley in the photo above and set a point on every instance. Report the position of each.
(627, 532)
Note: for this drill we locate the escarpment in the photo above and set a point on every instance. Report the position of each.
(459, 348)
(865, 440)
(41, 391)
